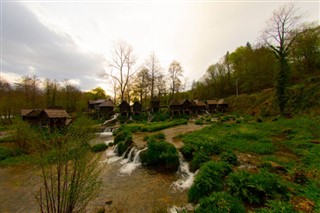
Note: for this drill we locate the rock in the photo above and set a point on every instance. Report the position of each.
(315, 141)
(109, 202)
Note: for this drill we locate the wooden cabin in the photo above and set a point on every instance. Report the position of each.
(212, 105)
(155, 104)
(125, 108)
(53, 118)
(136, 108)
(185, 104)
(197, 106)
(175, 107)
(222, 106)
(94, 104)
(106, 108)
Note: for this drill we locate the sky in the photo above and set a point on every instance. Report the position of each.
(74, 39)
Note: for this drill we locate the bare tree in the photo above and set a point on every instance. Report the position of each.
(175, 73)
(141, 83)
(153, 65)
(121, 64)
(279, 36)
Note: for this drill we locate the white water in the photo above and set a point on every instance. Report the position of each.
(130, 166)
(187, 177)
(114, 117)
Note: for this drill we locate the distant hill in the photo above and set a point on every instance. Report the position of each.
(303, 98)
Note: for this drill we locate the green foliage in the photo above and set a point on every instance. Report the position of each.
(199, 158)
(140, 118)
(209, 179)
(154, 126)
(257, 188)
(99, 147)
(199, 122)
(220, 202)
(311, 191)
(160, 116)
(122, 135)
(229, 157)
(160, 154)
(277, 206)
(25, 135)
(10, 152)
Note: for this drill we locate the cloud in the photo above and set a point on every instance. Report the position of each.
(29, 47)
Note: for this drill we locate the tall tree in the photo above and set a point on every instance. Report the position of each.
(121, 64)
(279, 36)
(142, 82)
(153, 65)
(175, 74)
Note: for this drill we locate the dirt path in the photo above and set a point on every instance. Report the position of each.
(170, 133)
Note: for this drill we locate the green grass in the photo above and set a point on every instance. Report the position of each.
(154, 126)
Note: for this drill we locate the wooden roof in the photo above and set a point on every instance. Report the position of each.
(174, 102)
(136, 103)
(221, 101)
(98, 101)
(212, 102)
(107, 103)
(56, 113)
(25, 112)
(199, 103)
(124, 103)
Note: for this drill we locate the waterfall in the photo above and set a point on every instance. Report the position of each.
(186, 177)
(130, 166)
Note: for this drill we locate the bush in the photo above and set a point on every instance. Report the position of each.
(161, 116)
(161, 154)
(122, 135)
(209, 179)
(187, 151)
(99, 147)
(199, 158)
(220, 202)
(257, 188)
(7, 152)
(229, 157)
(199, 122)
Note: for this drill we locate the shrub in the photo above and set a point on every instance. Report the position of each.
(161, 154)
(209, 179)
(220, 202)
(199, 158)
(187, 151)
(161, 116)
(99, 147)
(229, 157)
(199, 122)
(256, 188)
(7, 152)
(122, 136)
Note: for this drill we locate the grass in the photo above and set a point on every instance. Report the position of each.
(283, 141)
(154, 126)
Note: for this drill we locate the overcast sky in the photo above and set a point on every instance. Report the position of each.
(73, 39)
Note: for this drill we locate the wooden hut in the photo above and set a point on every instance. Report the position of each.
(94, 104)
(185, 104)
(136, 108)
(106, 108)
(222, 106)
(53, 118)
(125, 108)
(212, 105)
(155, 104)
(197, 106)
(175, 107)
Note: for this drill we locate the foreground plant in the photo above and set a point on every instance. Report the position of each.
(69, 171)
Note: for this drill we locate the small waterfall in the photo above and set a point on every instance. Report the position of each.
(130, 166)
(186, 177)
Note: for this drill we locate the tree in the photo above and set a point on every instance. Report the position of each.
(175, 73)
(279, 36)
(306, 50)
(5, 103)
(50, 91)
(153, 65)
(98, 93)
(142, 82)
(122, 63)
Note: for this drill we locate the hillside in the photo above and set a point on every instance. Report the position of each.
(303, 98)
